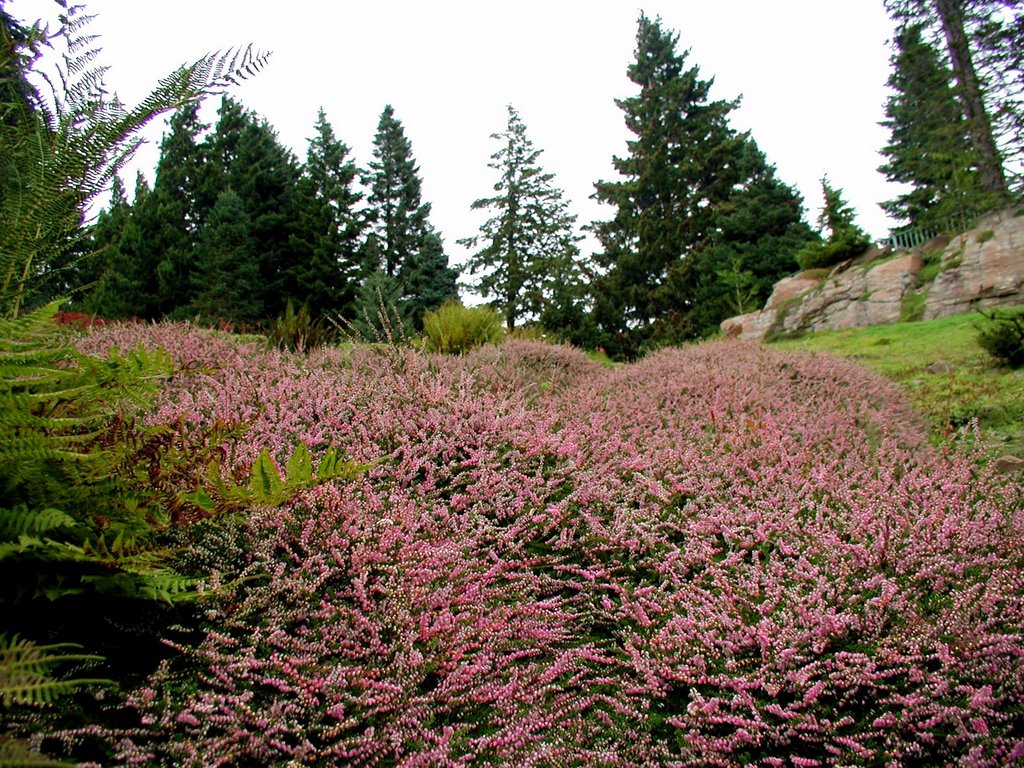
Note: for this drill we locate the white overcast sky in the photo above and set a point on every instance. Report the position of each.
(811, 73)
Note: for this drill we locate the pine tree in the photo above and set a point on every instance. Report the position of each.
(246, 156)
(225, 279)
(401, 243)
(928, 149)
(528, 245)
(686, 174)
(328, 228)
(961, 25)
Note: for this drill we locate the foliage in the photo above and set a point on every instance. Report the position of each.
(226, 275)
(694, 194)
(841, 239)
(1003, 338)
(61, 147)
(298, 331)
(528, 251)
(724, 554)
(248, 158)
(401, 242)
(929, 149)
(329, 229)
(980, 39)
(27, 680)
(453, 329)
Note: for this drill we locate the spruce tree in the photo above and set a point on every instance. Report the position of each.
(246, 156)
(225, 279)
(757, 234)
(397, 213)
(127, 288)
(687, 173)
(427, 280)
(840, 237)
(328, 232)
(401, 243)
(175, 211)
(972, 42)
(929, 149)
(528, 251)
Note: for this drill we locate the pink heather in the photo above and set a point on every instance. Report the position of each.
(721, 555)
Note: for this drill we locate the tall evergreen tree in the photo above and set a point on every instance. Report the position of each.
(959, 25)
(427, 280)
(757, 233)
(929, 149)
(246, 156)
(328, 233)
(175, 210)
(401, 243)
(528, 248)
(127, 287)
(398, 215)
(225, 279)
(686, 174)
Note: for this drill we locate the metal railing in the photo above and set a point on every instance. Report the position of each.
(906, 238)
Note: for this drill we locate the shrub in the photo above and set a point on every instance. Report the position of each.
(821, 254)
(722, 555)
(453, 329)
(1003, 338)
(298, 331)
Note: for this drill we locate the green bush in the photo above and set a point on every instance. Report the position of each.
(827, 253)
(1003, 338)
(453, 329)
(298, 331)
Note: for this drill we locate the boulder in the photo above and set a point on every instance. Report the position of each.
(981, 268)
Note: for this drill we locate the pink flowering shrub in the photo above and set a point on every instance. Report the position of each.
(721, 555)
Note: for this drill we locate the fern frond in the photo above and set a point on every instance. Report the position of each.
(26, 671)
(21, 520)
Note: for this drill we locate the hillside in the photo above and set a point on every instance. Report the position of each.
(939, 363)
(982, 267)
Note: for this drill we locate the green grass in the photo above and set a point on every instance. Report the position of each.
(976, 388)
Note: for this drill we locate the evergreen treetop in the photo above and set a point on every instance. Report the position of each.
(528, 246)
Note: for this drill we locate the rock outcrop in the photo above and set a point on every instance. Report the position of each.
(983, 267)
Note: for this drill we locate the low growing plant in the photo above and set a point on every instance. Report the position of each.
(1003, 338)
(454, 329)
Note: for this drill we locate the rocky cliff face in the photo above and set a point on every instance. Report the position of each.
(983, 267)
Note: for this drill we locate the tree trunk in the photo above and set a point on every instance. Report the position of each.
(990, 166)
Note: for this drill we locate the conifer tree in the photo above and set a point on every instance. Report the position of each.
(224, 283)
(175, 210)
(401, 243)
(528, 251)
(757, 234)
(246, 156)
(840, 237)
(687, 172)
(929, 149)
(981, 40)
(397, 213)
(428, 281)
(328, 232)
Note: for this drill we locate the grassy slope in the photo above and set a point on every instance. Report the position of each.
(974, 389)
